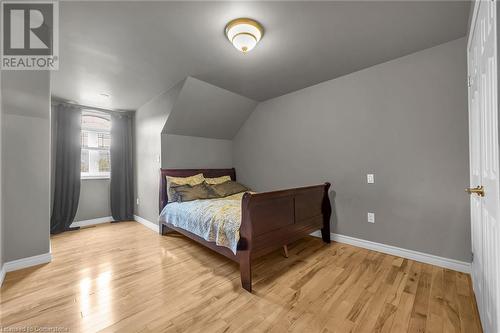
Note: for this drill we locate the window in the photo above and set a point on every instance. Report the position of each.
(95, 140)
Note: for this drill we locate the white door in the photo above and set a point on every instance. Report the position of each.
(484, 174)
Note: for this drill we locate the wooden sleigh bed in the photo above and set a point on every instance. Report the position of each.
(269, 220)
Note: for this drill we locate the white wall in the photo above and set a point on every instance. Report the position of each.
(26, 163)
(404, 120)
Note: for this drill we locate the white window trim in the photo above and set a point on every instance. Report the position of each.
(88, 176)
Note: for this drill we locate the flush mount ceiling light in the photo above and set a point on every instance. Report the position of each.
(244, 33)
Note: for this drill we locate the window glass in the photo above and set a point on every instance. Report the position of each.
(95, 141)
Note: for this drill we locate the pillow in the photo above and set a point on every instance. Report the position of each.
(218, 180)
(192, 180)
(228, 188)
(183, 193)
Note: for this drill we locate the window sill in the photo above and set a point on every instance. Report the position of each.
(95, 177)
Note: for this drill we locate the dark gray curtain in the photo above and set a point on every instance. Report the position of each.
(122, 181)
(67, 168)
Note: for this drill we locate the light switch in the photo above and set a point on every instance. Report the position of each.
(371, 217)
(370, 178)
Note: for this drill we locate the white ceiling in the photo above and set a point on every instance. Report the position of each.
(137, 50)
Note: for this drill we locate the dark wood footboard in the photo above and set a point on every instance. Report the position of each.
(273, 219)
(269, 220)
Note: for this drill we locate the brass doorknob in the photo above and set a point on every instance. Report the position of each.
(479, 190)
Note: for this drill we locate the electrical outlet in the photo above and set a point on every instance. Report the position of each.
(371, 217)
(370, 178)
(137, 201)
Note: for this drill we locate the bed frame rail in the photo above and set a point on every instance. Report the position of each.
(269, 220)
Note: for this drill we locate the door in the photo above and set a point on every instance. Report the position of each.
(484, 174)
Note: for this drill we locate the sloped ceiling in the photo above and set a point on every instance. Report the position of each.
(204, 110)
(134, 50)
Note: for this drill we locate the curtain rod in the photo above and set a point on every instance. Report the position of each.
(61, 101)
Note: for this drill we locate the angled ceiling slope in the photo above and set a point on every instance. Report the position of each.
(204, 110)
(134, 50)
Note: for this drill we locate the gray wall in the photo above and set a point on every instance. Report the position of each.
(94, 199)
(213, 114)
(189, 152)
(204, 110)
(149, 121)
(404, 120)
(26, 163)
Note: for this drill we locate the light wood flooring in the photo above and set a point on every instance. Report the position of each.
(126, 278)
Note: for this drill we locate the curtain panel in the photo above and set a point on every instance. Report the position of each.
(67, 167)
(122, 173)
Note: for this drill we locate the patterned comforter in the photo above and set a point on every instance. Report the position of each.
(215, 220)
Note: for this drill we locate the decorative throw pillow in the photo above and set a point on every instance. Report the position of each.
(228, 188)
(218, 180)
(192, 180)
(183, 193)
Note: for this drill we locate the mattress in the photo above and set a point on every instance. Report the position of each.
(215, 220)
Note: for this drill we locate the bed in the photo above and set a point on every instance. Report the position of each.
(269, 220)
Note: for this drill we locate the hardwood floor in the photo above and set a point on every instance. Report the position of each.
(124, 277)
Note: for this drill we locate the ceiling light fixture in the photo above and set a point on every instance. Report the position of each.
(244, 33)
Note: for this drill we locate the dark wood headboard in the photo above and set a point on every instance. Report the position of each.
(208, 173)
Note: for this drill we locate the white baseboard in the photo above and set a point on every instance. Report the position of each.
(453, 264)
(146, 223)
(85, 223)
(15, 265)
(2, 274)
(431, 259)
